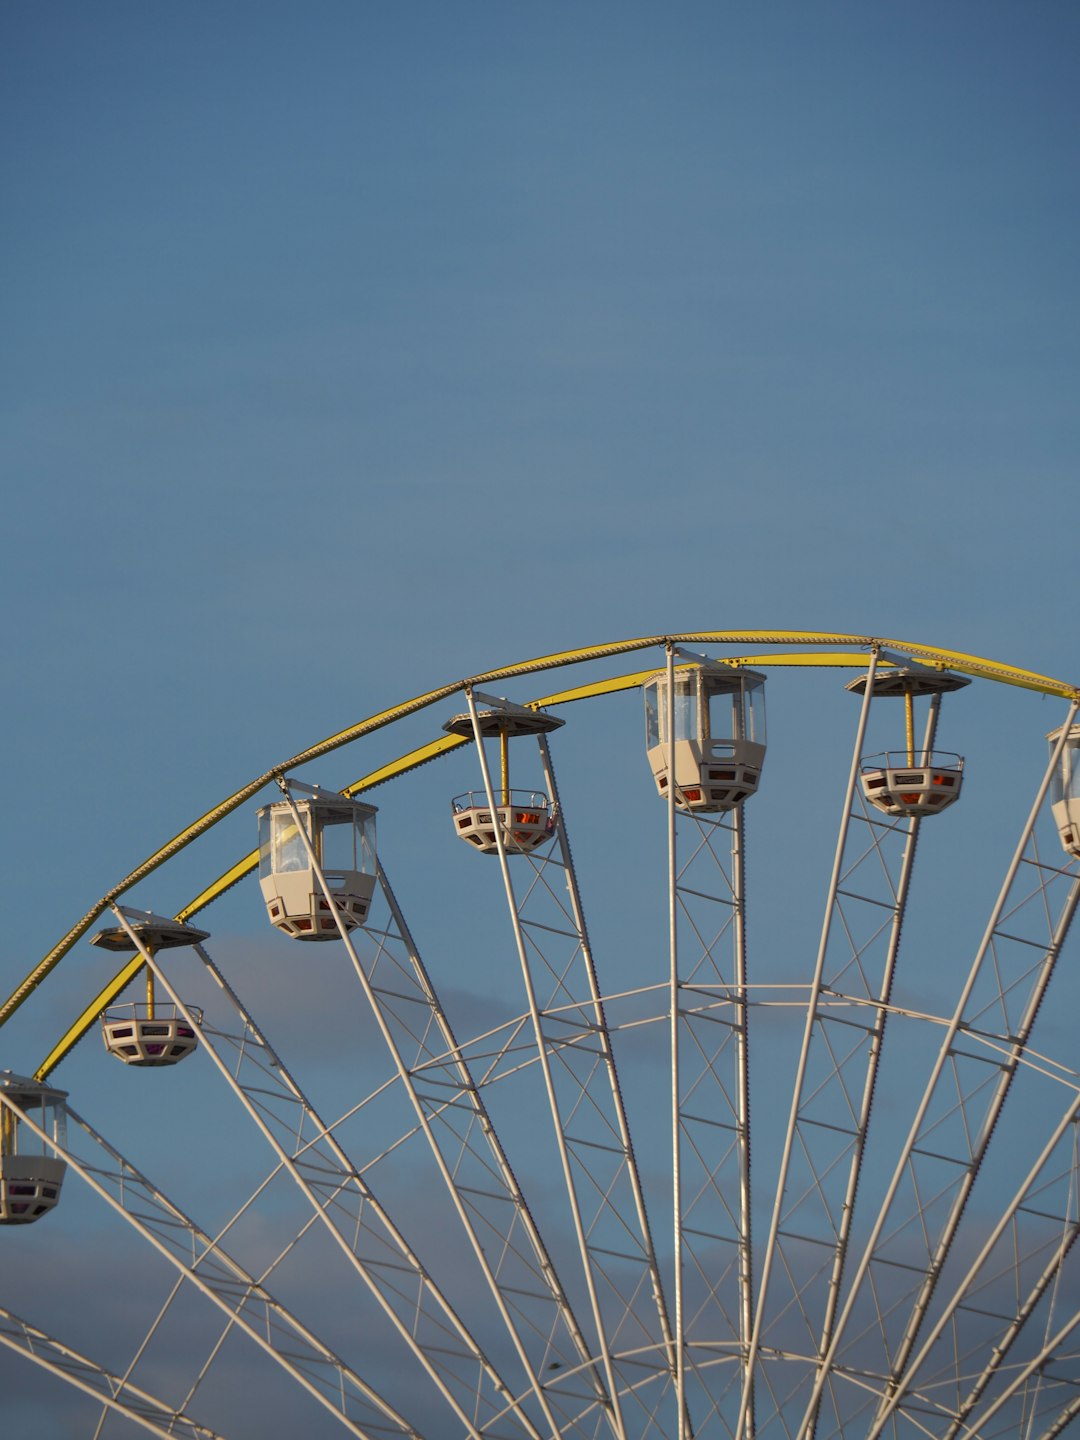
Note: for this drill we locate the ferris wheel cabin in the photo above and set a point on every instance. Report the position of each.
(718, 734)
(912, 781)
(341, 836)
(150, 1033)
(524, 818)
(30, 1176)
(1065, 789)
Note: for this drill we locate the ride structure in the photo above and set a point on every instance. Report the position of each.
(520, 1161)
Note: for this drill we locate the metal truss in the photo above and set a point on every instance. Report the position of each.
(710, 1115)
(574, 1051)
(480, 1183)
(243, 1299)
(114, 1392)
(837, 1070)
(711, 1118)
(981, 1050)
(1018, 1278)
(345, 1204)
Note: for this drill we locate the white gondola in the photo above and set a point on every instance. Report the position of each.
(1065, 789)
(718, 744)
(30, 1175)
(911, 781)
(896, 785)
(526, 818)
(341, 832)
(149, 1033)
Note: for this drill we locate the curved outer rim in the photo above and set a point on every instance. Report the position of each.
(954, 660)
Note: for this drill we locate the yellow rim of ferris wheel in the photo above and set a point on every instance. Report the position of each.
(821, 656)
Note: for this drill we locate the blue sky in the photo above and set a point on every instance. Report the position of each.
(349, 348)
(384, 345)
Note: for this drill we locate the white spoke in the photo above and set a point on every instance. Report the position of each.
(116, 1393)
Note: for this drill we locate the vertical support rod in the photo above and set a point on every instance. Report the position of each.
(742, 1121)
(909, 726)
(804, 1056)
(673, 983)
(149, 986)
(504, 767)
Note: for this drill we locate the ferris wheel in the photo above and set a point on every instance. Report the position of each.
(632, 1072)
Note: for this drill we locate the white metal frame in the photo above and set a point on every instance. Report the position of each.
(574, 1051)
(708, 1365)
(1024, 1007)
(344, 1202)
(116, 1393)
(710, 1105)
(242, 1298)
(429, 1098)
